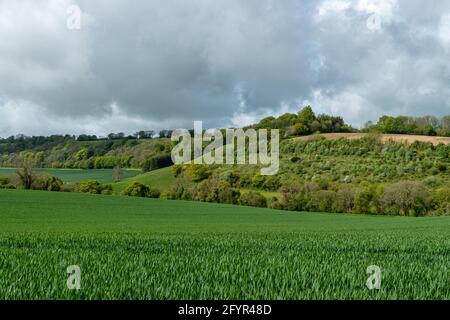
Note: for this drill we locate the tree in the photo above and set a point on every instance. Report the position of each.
(149, 134)
(137, 189)
(156, 162)
(25, 173)
(300, 129)
(363, 199)
(407, 196)
(345, 200)
(165, 133)
(323, 201)
(253, 199)
(118, 173)
(197, 172)
(307, 115)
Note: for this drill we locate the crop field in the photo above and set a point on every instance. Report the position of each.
(78, 175)
(134, 248)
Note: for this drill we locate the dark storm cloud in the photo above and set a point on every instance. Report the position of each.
(155, 63)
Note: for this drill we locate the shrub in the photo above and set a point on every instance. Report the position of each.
(7, 186)
(272, 183)
(93, 187)
(345, 200)
(137, 189)
(289, 196)
(229, 176)
(156, 162)
(47, 183)
(110, 162)
(154, 193)
(57, 164)
(69, 187)
(323, 201)
(275, 204)
(215, 190)
(253, 199)
(441, 199)
(364, 199)
(258, 181)
(407, 197)
(3, 181)
(296, 159)
(197, 172)
(182, 189)
(177, 170)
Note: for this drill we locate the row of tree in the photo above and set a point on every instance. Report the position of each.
(22, 142)
(305, 122)
(427, 125)
(407, 198)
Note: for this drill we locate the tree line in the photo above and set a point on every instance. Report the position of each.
(427, 125)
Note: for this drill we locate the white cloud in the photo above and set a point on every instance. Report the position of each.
(332, 7)
(26, 117)
(444, 30)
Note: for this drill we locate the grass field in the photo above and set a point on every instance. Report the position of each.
(133, 248)
(161, 179)
(75, 175)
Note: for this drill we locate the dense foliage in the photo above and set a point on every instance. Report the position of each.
(74, 154)
(341, 176)
(428, 125)
(304, 123)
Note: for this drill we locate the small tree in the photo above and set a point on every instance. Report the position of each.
(345, 200)
(407, 196)
(253, 199)
(25, 173)
(118, 173)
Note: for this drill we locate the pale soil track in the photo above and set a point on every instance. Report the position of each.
(384, 137)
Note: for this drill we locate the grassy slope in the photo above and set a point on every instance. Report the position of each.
(75, 175)
(161, 179)
(153, 249)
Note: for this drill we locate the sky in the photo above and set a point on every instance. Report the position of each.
(136, 65)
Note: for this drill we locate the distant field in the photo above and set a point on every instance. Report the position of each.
(75, 175)
(134, 248)
(383, 137)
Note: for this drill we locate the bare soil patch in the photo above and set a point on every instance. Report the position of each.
(384, 137)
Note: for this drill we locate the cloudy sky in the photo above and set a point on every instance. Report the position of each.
(157, 64)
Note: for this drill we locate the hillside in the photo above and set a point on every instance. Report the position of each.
(161, 179)
(338, 170)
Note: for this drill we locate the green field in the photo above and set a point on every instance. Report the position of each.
(134, 248)
(78, 175)
(161, 179)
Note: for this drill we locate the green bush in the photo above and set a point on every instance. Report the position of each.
(197, 172)
(253, 199)
(3, 181)
(156, 162)
(137, 189)
(94, 187)
(110, 162)
(258, 181)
